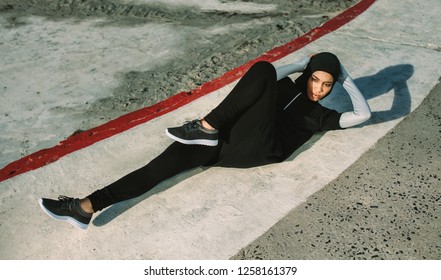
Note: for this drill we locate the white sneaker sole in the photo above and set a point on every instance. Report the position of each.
(68, 219)
(204, 142)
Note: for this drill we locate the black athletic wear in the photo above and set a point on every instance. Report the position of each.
(261, 121)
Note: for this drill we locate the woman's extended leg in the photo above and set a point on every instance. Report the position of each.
(175, 159)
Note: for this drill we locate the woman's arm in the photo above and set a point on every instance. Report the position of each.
(286, 70)
(361, 112)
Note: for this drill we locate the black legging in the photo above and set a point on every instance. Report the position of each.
(251, 100)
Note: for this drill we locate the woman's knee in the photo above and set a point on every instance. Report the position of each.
(264, 68)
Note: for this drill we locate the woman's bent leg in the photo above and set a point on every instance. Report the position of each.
(260, 80)
(175, 159)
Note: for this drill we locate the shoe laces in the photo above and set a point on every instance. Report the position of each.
(189, 125)
(67, 202)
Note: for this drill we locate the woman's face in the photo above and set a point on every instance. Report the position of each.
(319, 85)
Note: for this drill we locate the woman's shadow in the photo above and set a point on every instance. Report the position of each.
(390, 78)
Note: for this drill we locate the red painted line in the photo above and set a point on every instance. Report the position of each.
(125, 122)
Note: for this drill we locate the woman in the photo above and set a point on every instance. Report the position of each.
(263, 120)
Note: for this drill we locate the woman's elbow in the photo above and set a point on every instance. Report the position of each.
(365, 116)
(351, 119)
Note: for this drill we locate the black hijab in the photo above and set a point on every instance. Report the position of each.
(324, 61)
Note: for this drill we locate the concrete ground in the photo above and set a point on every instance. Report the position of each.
(367, 192)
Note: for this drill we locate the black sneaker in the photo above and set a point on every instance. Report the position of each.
(66, 209)
(193, 133)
